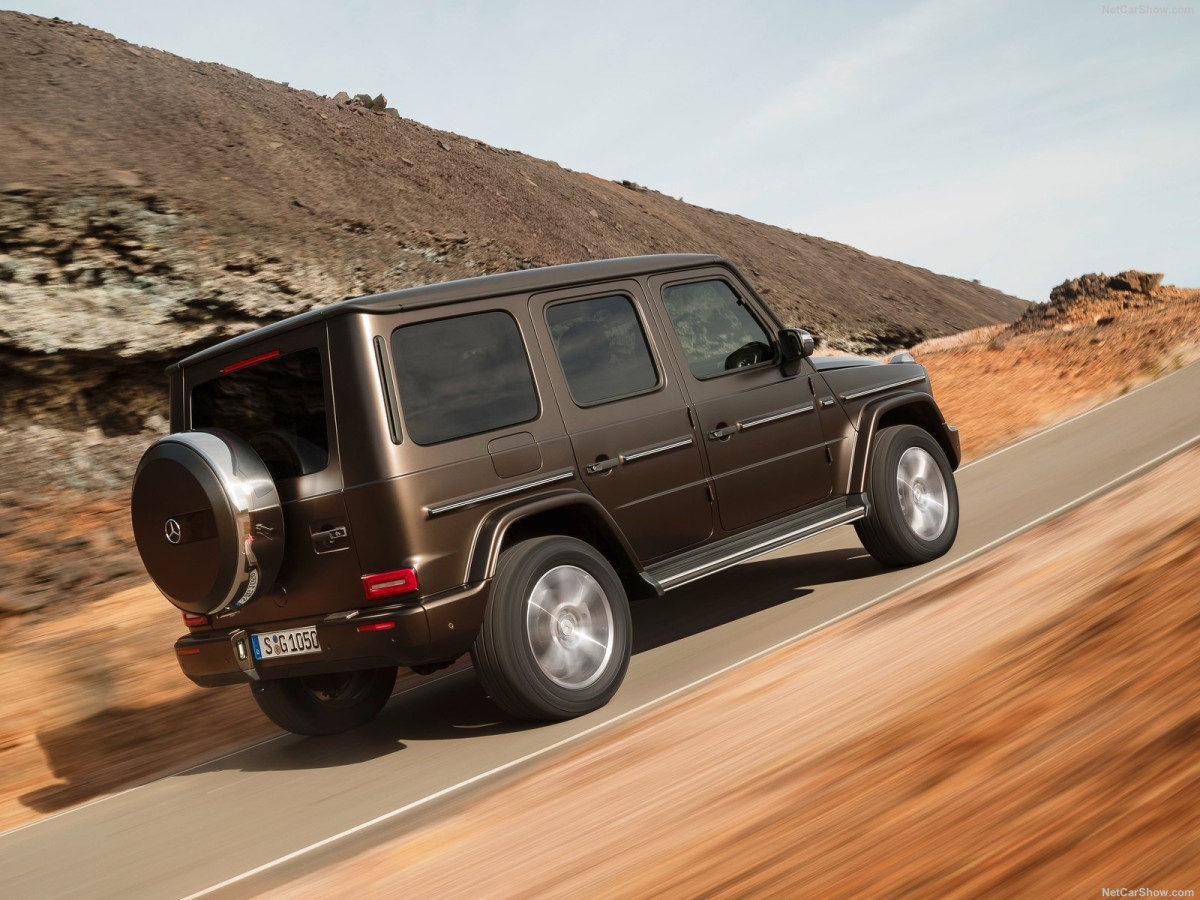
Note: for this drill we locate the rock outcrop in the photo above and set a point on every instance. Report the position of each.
(1093, 299)
(377, 104)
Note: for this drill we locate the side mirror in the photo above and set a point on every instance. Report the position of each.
(795, 344)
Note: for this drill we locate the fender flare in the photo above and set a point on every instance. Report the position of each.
(489, 536)
(925, 413)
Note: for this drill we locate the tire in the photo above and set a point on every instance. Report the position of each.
(325, 704)
(556, 635)
(912, 512)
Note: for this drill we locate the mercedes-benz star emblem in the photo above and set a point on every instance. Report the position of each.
(173, 531)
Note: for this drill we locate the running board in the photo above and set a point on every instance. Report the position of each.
(727, 552)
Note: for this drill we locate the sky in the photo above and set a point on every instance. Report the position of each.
(1018, 143)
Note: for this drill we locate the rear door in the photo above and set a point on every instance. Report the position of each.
(276, 396)
(760, 428)
(631, 431)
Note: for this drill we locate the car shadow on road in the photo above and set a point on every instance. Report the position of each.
(743, 591)
(447, 706)
(100, 754)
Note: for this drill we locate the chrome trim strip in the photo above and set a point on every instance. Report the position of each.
(774, 417)
(661, 448)
(431, 511)
(882, 387)
(774, 543)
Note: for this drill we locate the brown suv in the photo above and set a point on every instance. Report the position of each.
(497, 465)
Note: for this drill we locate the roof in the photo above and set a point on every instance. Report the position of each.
(448, 292)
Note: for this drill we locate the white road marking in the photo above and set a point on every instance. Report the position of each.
(599, 726)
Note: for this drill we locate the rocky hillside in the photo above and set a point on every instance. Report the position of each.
(152, 205)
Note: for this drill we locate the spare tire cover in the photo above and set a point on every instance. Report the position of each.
(207, 520)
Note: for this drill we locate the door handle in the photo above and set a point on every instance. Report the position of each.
(603, 465)
(723, 432)
(331, 538)
(328, 537)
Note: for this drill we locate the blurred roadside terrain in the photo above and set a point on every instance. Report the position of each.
(1024, 725)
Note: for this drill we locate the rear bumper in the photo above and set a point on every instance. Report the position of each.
(215, 658)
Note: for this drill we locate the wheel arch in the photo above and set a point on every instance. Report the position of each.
(911, 408)
(569, 513)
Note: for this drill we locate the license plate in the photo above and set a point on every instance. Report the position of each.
(293, 642)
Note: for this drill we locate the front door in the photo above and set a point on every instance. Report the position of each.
(760, 428)
(632, 434)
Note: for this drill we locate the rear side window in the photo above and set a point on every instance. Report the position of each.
(277, 405)
(602, 349)
(463, 376)
(718, 334)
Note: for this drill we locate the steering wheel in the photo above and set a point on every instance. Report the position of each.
(748, 355)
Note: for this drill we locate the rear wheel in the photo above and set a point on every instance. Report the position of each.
(325, 704)
(556, 636)
(913, 515)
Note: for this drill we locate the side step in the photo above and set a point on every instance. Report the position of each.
(687, 567)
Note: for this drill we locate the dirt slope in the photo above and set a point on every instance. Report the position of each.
(1026, 725)
(151, 204)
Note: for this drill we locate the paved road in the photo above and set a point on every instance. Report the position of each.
(281, 805)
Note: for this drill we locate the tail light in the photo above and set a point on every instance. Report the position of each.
(376, 626)
(242, 363)
(194, 621)
(389, 584)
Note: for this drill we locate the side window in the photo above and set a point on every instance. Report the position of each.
(602, 348)
(715, 329)
(463, 376)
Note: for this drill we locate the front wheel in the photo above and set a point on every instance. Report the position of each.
(325, 704)
(556, 636)
(913, 512)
